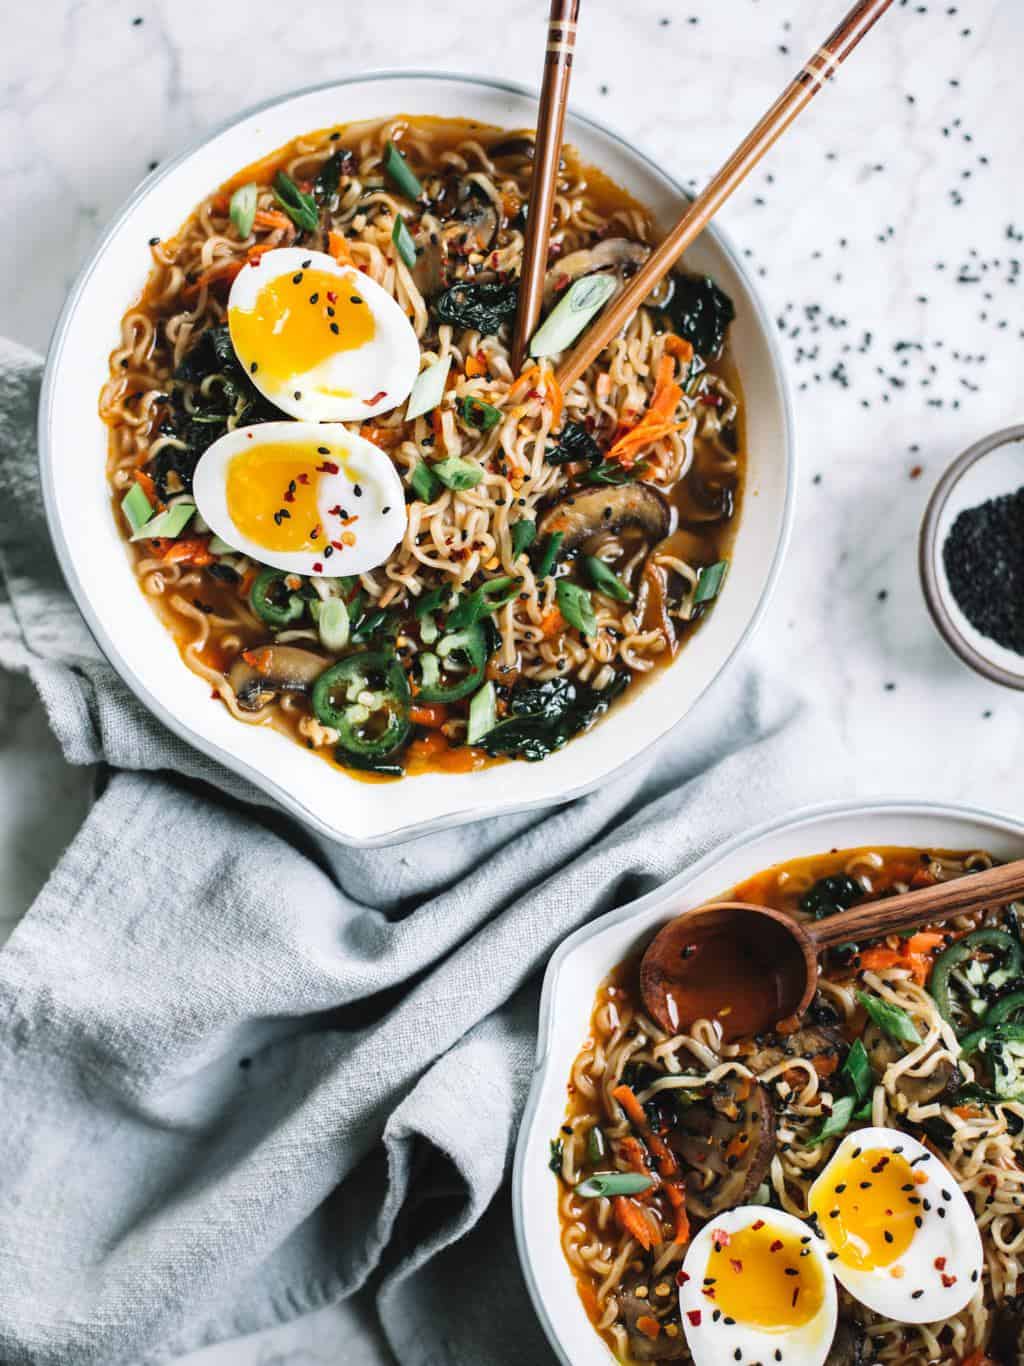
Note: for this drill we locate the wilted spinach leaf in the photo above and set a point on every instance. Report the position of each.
(830, 894)
(700, 312)
(483, 307)
(325, 187)
(542, 717)
(574, 443)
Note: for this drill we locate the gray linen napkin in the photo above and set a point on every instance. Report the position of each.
(241, 1073)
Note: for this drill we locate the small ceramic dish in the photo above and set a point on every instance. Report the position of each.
(990, 468)
(73, 452)
(581, 963)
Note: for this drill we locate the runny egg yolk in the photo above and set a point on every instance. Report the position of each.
(867, 1208)
(299, 321)
(271, 494)
(765, 1277)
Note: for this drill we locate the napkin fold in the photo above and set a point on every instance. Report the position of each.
(243, 1071)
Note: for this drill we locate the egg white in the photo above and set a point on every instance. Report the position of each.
(953, 1236)
(715, 1342)
(380, 503)
(386, 365)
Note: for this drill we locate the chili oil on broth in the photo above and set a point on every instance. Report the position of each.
(800, 1074)
(466, 539)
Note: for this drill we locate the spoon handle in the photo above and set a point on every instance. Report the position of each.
(909, 910)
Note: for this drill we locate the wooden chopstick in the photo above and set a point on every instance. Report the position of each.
(798, 94)
(547, 153)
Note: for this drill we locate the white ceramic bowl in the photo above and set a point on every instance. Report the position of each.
(586, 957)
(72, 443)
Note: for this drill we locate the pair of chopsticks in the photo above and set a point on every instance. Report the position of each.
(819, 69)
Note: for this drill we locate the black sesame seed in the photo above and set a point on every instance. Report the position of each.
(357, 490)
(335, 328)
(297, 279)
(314, 298)
(323, 450)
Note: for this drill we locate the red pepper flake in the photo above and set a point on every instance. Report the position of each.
(694, 1315)
(332, 298)
(381, 393)
(947, 1280)
(916, 471)
(757, 1225)
(796, 1296)
(328, 467)
(318, 568)
(711, 400)
(303, 478)
(337, 545)
(289, 497)
(776, 1246)
(940, 1263)
(720, 1239)
(681, 1276)
(736, 1265)
(709, 1291)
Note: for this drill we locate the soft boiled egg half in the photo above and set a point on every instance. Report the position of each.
(756, 1286)
(301, 497)
(322, 341)
(902, 1236)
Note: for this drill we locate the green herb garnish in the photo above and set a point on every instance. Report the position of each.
(605, 581)
(837, 1122)
(857, 1071)
(892, 1020)
(710, 582)
(402, 238)
(473, 607)
(523, 533)
(300, 207)
(136, 507)
(425, 483)
(613, 1183)
(243, 209)
(457, 474)
(403, 179)
(168, 524)
(546, 562)
(575, 605)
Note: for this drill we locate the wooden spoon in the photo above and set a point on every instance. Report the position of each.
(748, 967)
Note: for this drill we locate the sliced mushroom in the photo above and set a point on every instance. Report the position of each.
(617, 254)
(669, 1344)
(480, 224)
(609, 511)
(849, 1346)
(1007, 1344)
(521, 145)
(728, 1142)
(430, 273)
(270, 669)
(813, 1041)
(941, 1084)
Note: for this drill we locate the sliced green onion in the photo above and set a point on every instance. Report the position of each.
(571, 314)
(486, 599)
(332, 624)
(301, 208)
(857, 1071)
(710, 582)
(428, 390)
(478, 414)
(220, 547)
(457, 474)
(430, 602)
(597, 1145)
(575, 605)
(402, 238)
(428, 629)
(523, 533)
(425, 484)
(136, 507)
(167, 524)
(547, 559)
(837, 1122)
(243, 208)
(614, 1183)
(555, 1149)
(605, 581)
(404, 180)
(892, 1020)
(483, 713)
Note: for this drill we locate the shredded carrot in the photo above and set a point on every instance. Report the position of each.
(221, 203)
(384, 437)
(476, 365)
(529, 379)
(270, 218)
(337, 245)
(552, 623)
(429, 747)
(923, 877)
(978, 1358)
(260, 660)
(631, 1220)
(657, 421)
(967, 1111)
(676, 346)
(246, 582)
(553, 393)
(676, 1193)
(668, 1167)
(224, 271)
(633, 1109)
(195, 551)
(650, 1327)
(147, 486)
(430, 714)
(437, 426)
(632, 1151)
(825, 1064)
(877, 960)
(914, 954)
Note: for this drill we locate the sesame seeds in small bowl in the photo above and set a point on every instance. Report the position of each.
(971, 557)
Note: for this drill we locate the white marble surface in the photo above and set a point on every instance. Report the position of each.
(891, 209)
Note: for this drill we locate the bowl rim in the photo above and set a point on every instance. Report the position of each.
(928, 551)
(852, 808)
(262, 780)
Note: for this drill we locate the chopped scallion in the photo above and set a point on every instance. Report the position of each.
(614, 1183)
(571, 314)
(597, 1145)
(478, 414)
(710, 582)
(136, 507)
(483, 713)
(457, 474)
(575, 605)
(332, 624)
(167, 524)
(301, 208)
(404, 180)
(842, 1113)
(425, 483)
(473, 607)
(892, 1020)
(857, 1070)
(547, 560)
(402, 238)
(428, 390)
(243, 209)
(605, 581)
